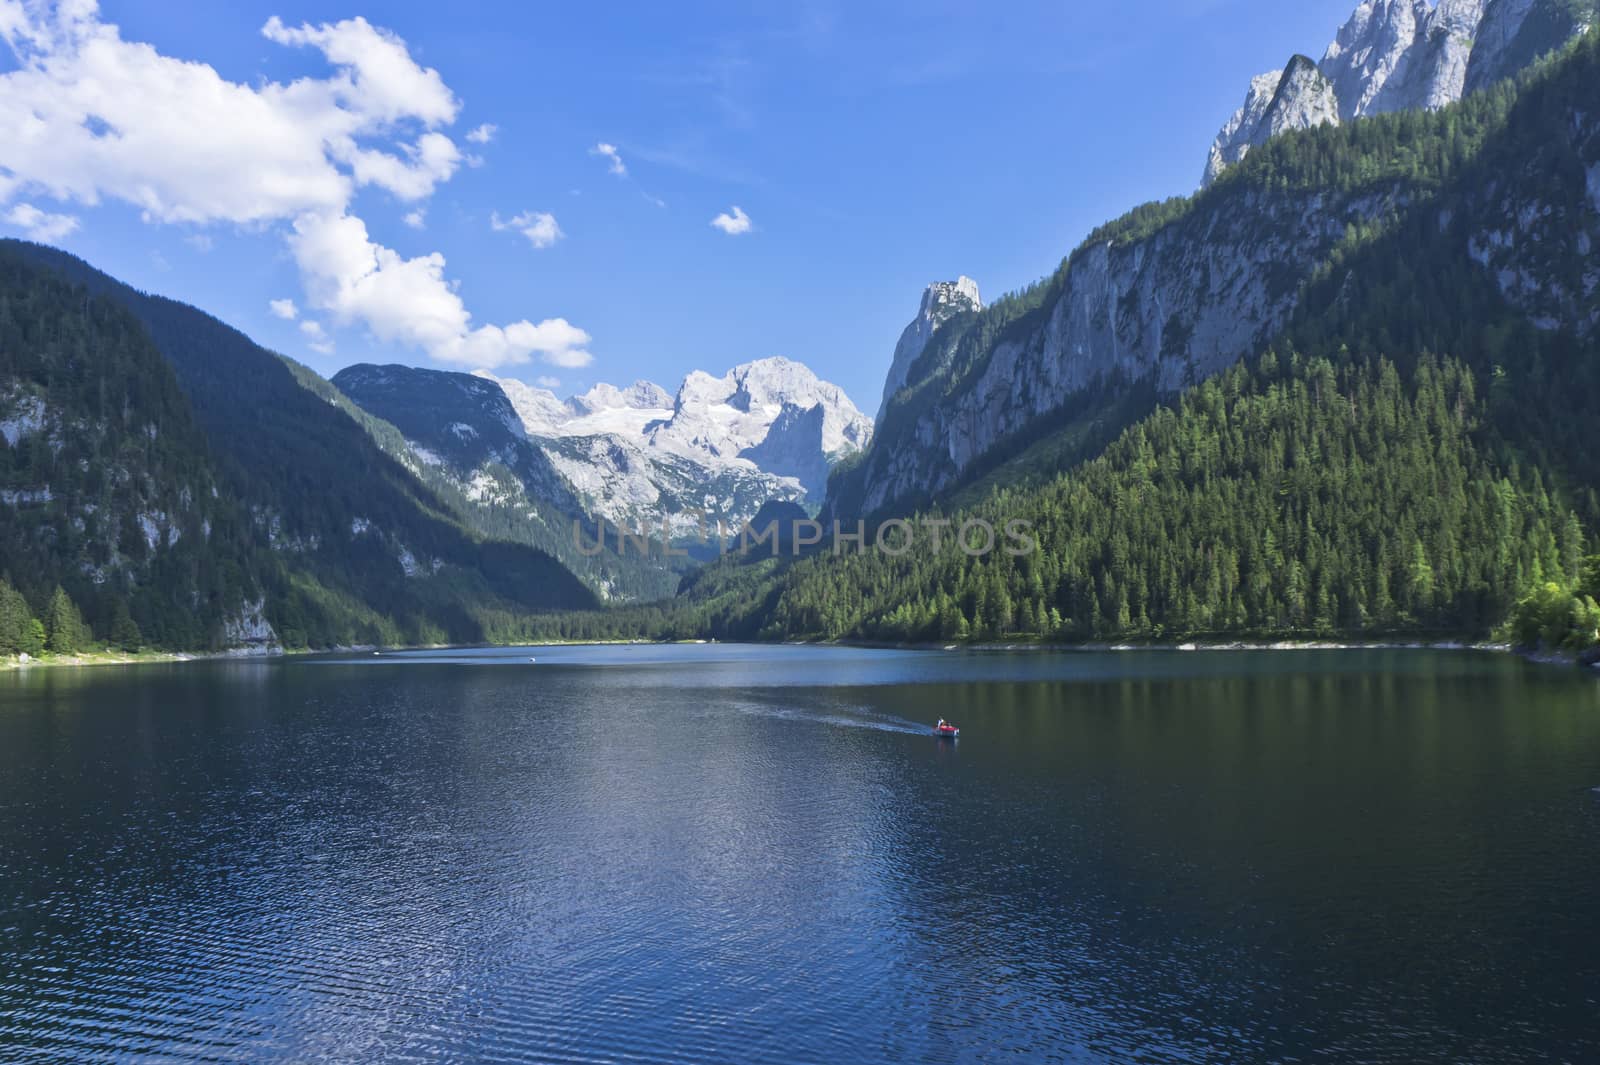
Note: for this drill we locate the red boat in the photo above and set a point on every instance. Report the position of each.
(946, 731)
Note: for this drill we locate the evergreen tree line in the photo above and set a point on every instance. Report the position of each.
(61, 630)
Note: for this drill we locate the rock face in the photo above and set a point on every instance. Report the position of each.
(247, 632)
(1162, 306)
(941, 301)
(1168, 309)
(719, 446)
(1397, 55)
(1297, 97)
(1514, 33)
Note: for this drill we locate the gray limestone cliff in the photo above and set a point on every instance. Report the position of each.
(941, 301)
(1170, 295)
(1296, 97)
(1400, 55)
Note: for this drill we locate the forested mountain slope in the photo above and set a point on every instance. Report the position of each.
(108, 489)
(1298, 497)
(1175, 292)
(1419, 460)
(369, 554)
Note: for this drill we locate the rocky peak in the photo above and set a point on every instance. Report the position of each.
(767, 429)
(1399, 55)
(728, 415)
(1374, 47)
(1238, 133)
(941, 301)
(641, 395)
(1304, 99)
(960, 294)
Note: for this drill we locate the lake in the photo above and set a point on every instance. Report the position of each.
(737, 854)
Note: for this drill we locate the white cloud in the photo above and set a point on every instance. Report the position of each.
(201, 242)
(317, 337)
(546, 381)
(538, 226)
(40, 225)
(733, 224)
(416, 219)
(284, 309)
(433, 159)
(378, 78)
(609, 151)
(87, 116)
(409, 300)
(484, 133)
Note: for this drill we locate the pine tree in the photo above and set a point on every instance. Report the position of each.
(16, 623)
(125, 634)
(65, 631)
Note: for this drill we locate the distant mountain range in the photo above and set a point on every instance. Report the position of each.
(640, 458)
(718, 446)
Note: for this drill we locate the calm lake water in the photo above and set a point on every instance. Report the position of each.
(730, 854)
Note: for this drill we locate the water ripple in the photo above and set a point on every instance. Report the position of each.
(706, 860)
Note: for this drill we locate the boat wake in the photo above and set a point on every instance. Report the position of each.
(842, 717)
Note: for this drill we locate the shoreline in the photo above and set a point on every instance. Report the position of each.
(275, 653)
(96, 659)
(90, 660)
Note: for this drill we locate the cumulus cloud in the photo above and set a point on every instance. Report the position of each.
(546, 381)
(284, 309)
(87, 117)
(40, 225)
(409, 301)
(484, 133)
(377, 76)
(538, 226)
(733, 224)
(609, 151)
(416, 219)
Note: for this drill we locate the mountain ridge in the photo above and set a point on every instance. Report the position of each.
(716, 448)
(1176, 291)
(363, 551)
(1399, 55)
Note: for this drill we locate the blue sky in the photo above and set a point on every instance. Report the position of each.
(873, 148)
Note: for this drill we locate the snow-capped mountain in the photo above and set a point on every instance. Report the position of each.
(721, 446)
